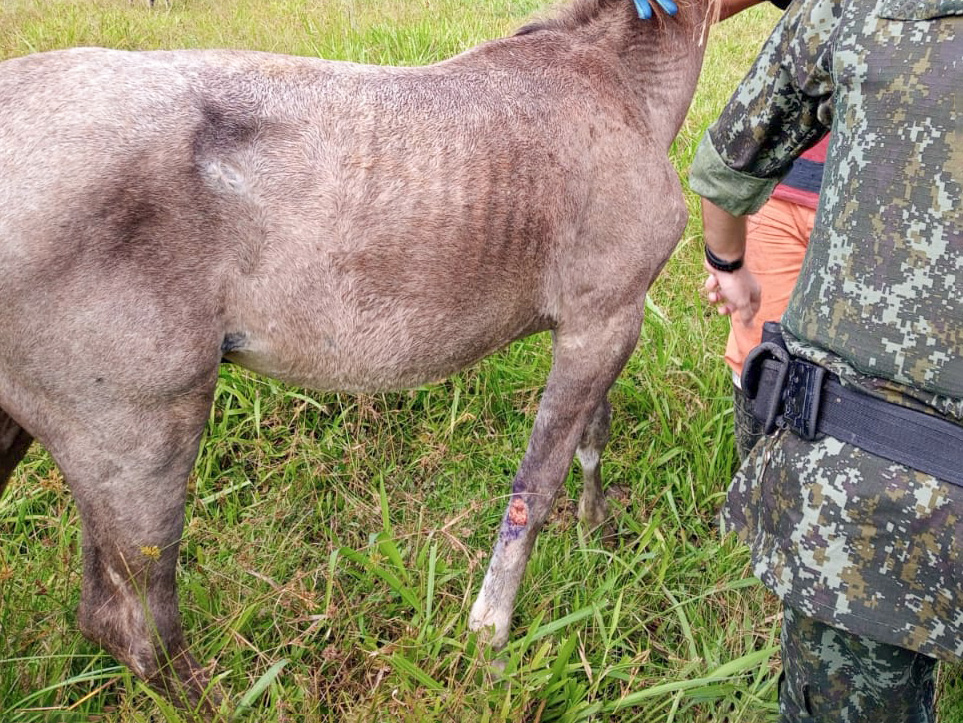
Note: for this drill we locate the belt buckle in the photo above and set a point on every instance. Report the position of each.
(801, 397)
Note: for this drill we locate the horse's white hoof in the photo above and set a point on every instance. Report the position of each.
(490, 622)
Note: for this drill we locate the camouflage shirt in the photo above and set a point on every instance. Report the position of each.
(851, 539)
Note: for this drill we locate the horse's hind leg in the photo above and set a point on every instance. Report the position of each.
(128, 475)
(14, 442)
(592, 507)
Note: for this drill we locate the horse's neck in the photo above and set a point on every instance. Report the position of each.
(665, 88)
(663, 78)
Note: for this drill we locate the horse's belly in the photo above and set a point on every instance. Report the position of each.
(391, 355)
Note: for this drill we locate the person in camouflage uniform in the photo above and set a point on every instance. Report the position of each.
(865, 553)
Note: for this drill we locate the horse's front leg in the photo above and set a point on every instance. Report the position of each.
(585, 366)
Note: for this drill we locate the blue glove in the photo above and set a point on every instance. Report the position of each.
(645, 9)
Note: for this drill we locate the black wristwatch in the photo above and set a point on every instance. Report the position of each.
(721, 265)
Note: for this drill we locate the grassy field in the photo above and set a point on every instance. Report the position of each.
(335, 543)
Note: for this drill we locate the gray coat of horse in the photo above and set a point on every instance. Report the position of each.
(339, 226)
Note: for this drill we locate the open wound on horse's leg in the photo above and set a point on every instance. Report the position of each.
(492, 611)
(517, 512)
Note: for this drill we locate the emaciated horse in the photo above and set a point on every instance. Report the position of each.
(338, 226)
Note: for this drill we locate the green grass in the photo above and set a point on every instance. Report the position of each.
(334, 543)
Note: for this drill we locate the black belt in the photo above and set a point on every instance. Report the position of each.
(788, 392)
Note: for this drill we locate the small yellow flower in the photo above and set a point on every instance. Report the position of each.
(151, 551)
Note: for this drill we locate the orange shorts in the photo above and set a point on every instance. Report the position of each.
(776, 241)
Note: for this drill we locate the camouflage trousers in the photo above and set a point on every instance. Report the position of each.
(832, 676)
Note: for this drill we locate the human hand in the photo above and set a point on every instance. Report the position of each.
(733, 293)
(645, 8)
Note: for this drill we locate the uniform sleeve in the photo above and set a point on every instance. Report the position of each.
(781, 108)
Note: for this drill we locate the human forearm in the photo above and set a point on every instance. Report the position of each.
(725, 234)
(730, 286)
